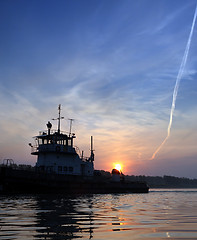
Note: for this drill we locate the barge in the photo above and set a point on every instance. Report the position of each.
(61, 168)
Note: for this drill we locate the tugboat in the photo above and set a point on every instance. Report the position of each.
(60, 168)
(56, 153)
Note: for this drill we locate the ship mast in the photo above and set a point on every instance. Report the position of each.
(59, 118)
(71, 120)
(91, 150)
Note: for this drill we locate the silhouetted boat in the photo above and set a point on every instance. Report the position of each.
(60, 168)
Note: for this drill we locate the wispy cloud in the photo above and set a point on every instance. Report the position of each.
(113, 69)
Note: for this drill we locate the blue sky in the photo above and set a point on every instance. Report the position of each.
(113, 66)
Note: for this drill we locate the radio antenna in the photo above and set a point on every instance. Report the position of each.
(59, 118)
(71, 120)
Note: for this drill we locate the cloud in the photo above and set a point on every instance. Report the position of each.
(114, 73)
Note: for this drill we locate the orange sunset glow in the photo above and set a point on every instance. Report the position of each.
(118, 166)
(120, 93)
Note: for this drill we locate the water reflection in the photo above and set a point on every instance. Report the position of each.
(63, 217)
(160, 214)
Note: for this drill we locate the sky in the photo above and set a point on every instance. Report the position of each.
(112, 65)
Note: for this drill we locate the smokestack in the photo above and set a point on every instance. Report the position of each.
(91, 150)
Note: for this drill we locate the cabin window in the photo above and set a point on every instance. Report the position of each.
(52, 140)
(59, 168)
(59, 142)
(65, 169)
(42, 141)
(69, 142)
(70, 169)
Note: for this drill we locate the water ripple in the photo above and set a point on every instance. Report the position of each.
(161, 214)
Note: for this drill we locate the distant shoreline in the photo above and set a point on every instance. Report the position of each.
(165, 181)
(158, 181)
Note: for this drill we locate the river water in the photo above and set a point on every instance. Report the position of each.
(160, 214)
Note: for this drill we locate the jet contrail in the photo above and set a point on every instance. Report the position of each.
(178, 79)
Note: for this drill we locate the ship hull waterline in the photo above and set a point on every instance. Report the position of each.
(23, 181)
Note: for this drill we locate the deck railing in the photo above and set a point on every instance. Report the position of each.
(52, 131)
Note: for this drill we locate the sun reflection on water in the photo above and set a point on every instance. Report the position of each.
(107, 216)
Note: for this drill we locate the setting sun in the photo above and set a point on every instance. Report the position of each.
(118, 167)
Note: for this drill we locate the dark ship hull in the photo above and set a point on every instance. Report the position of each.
(60, 168)
(25, 181)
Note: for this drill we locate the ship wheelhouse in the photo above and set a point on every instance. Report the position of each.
(50, 142)
(56, 153)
